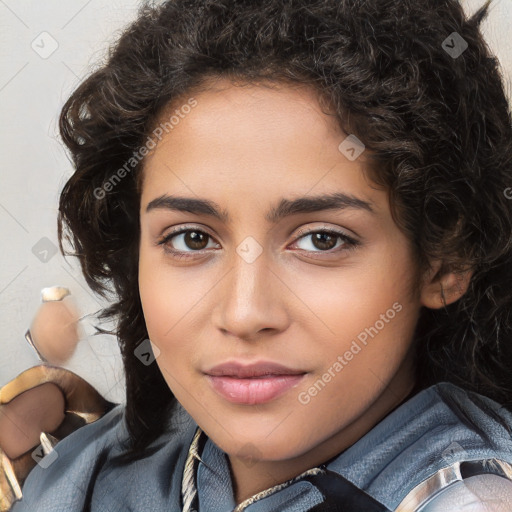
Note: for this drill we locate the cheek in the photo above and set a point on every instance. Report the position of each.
(156, 295)
(346, 300)
(367, 314)
(164, 309)
(170, 298)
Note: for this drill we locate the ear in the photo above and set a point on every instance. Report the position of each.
(441, 287)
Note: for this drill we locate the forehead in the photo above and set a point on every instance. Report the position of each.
(255, 139)
(250, 112)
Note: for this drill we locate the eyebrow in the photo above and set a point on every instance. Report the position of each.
(284, 208)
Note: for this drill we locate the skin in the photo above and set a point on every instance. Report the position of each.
(246, 148)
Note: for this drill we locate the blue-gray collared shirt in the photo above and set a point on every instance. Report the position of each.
(430, 434)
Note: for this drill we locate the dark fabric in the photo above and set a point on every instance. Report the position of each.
(340, 495)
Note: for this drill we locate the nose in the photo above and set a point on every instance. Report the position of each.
(251, 300)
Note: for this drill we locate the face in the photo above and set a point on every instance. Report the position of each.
(263, 242)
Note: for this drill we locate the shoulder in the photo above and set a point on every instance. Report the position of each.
(430, 442)
(66, 470)
(476, 409)
(81, 475)
(480, 493)
(467, 457)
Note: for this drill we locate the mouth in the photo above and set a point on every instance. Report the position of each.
(253, 390)
(252, 384)
(260, 369)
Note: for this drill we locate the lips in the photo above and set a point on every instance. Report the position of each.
(241, 371)
(254, 383)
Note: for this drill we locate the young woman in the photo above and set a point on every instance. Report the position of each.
(303, 210)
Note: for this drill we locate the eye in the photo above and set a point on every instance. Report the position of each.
(185, 240)
(326, 241)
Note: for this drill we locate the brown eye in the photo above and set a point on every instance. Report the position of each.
(184, 242)
(195, 239)
(326, 241)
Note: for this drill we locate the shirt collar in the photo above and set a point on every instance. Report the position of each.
(208, 467)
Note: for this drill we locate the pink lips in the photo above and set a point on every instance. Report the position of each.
(252, 384)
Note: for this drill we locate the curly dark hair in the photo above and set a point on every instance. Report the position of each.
(437, 126)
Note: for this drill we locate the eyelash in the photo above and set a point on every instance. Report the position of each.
(349, 243)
